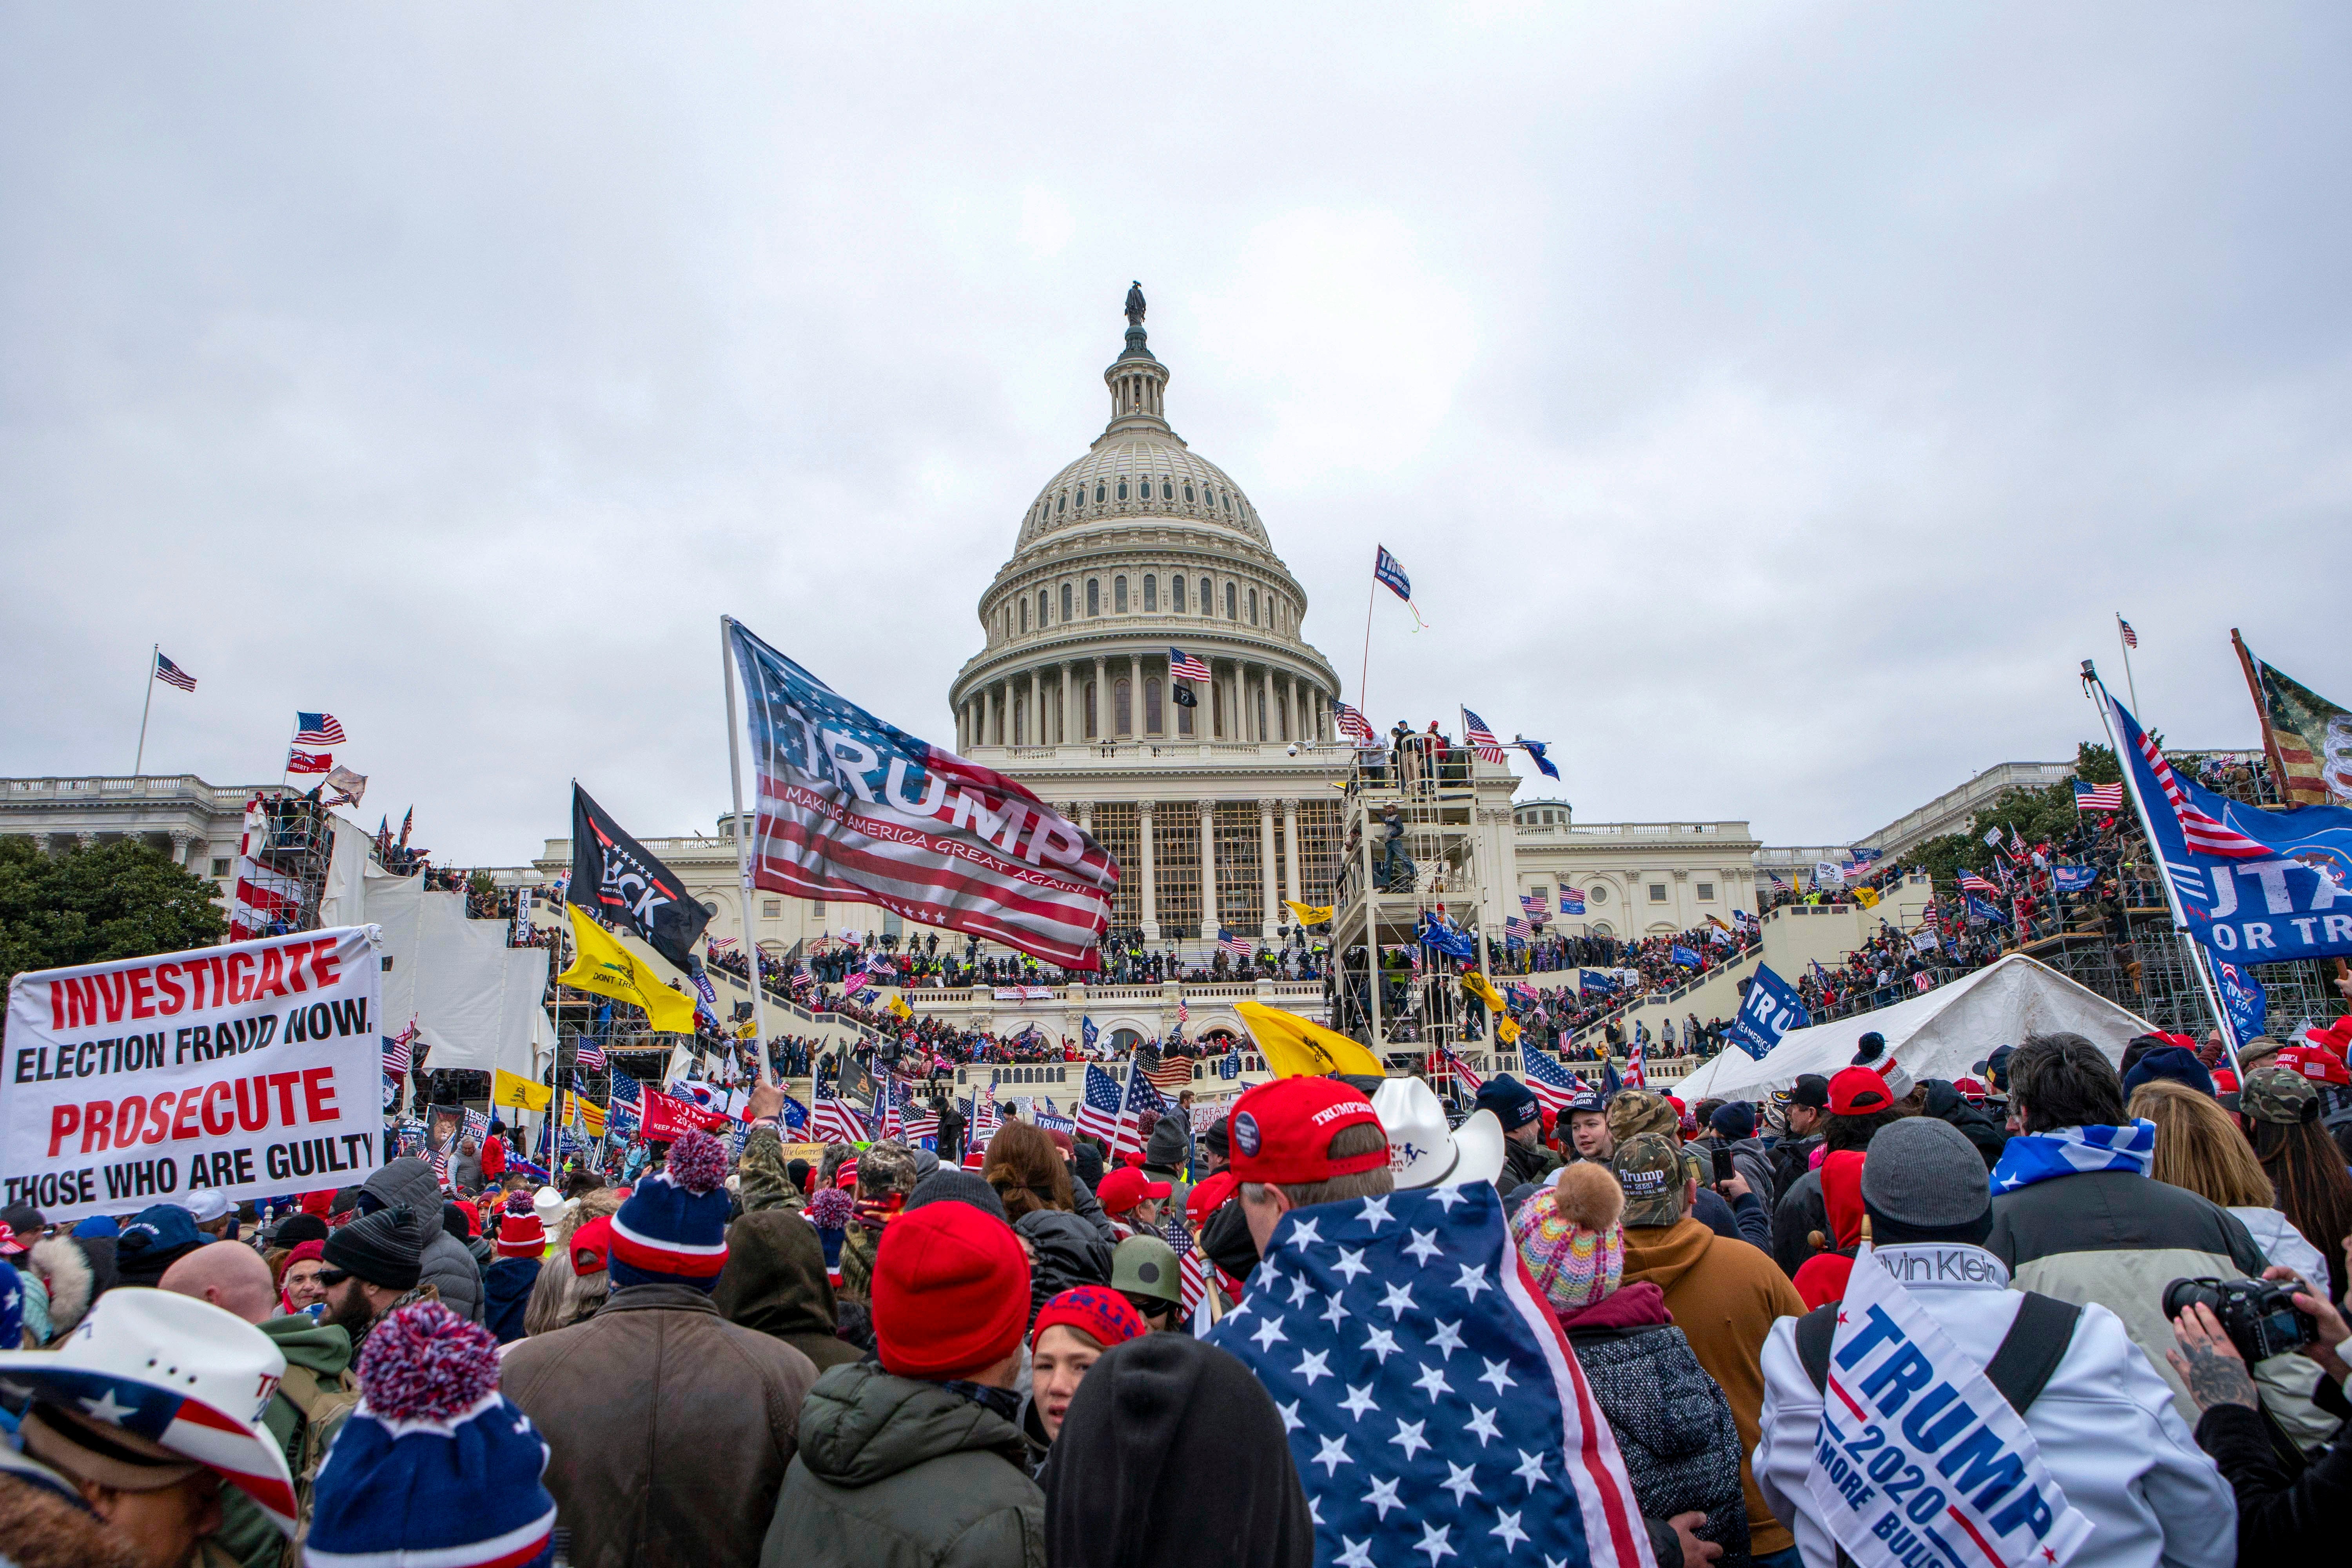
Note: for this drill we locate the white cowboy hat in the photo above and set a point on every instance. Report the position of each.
(176, 1373)
(1423, 1151)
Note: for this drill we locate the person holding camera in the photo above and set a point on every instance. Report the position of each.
(2280, 1509)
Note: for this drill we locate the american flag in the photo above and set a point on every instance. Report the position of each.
(1099, 1112)
(1482, 740)
(1140, 1097)
(1352, 725)
(396, 1052)
(722, 943)
(920, 1123)
(2203, 832)
(1537, 904)
(626, 1090)
(1920, 982)
(980, 1124)
(590, 1055)
(440, 1162)
(835, 1121)
(1239, 946)
(1972, 883)
(1376, 1296)
(1634, 1076)
(318, 730)
(301, 762)
(1192, 1271)
(1182, 666)
(1470, 1080)
(1171, 1075)
(171, 674)
(1554, 1085)
(2098, 798)
(931, 836)
(1571, 900)
(1516, 925)
(2131, 638)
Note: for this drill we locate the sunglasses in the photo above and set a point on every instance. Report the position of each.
(330, 1278)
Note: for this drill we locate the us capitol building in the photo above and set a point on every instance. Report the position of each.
(1216, 810)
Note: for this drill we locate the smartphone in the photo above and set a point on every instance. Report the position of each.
(1724, 1169)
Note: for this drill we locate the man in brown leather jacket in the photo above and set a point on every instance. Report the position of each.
(669, 1428)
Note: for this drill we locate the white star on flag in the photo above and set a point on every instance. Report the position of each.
(1398, 1300)
(1312, 1365)
(1473, 1280)
(1269, 1332)
(1497, 1373)
(1446, 1340)
(1334, 1454)
(1422, 1247)
(1482, 1425)
(1383, 1496)
(1509, 1529)
(1358, 1400)
(1433, 1541)
(1350, 1263)
(1433, 1383)
(1409, 1438)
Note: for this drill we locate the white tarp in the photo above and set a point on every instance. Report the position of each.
(473, 999)
(1941, 1033)
(344, 902)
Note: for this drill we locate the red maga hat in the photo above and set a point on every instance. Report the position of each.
(1282, 1132)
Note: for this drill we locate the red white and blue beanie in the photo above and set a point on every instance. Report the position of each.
(435, 1466)
(673, 1229)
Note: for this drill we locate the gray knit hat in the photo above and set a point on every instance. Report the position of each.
(1925, 1172)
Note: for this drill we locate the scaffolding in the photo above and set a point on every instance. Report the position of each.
(293, 845)
(2151, 968)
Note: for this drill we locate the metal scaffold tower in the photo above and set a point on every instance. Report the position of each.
(292, 842)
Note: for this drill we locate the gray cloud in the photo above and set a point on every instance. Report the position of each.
(1772, 407)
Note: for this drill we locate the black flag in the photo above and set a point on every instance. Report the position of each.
(1184, 695)
(614, 877)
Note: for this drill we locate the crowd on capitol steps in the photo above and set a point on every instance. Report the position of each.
(2083, 1306)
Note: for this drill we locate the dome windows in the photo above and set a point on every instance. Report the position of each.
(1122, 489)
(1024, 614)
(1094, 597)
(1188, 492)
(1066, 603)
(1167, 490)
(1098, 494)
(1176, 596)
(1253, 606)
(1227, 496)
(1044, 604)
(1119, 595)
(1207, 597)
(1231, 614)
(1062, 503)
(1151, 595)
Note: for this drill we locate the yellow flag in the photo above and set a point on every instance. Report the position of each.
(518, 1091)
(899, 1010)
(1310, 915)
(606, 967)
(748, 1030)
(1295, 1047)
(1478, 985)
(585, 1113)
(1867, 897)
(1507, 1029)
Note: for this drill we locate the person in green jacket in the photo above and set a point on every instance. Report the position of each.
(304, 1413)
(920, 1460)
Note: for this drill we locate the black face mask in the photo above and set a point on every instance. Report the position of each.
(1227, 1241)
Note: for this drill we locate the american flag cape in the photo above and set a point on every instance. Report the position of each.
(1482, 740)
(1474, 1458)
(857, 810)
(1098, 1111)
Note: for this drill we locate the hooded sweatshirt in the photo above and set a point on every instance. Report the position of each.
(447, 1266)
(1069, 1252)
(775, 1284)
(1725, 1297)
(507, 1286)
(1823, 1277)
(1172, 1455)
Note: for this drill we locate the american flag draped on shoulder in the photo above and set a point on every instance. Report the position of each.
(1409, 1450)
(858, 811)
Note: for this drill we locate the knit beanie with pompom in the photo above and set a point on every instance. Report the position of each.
(1572, 1235)
(436, 1465)
(673, 1229)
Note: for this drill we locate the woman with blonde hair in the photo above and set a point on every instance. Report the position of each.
(2200, 1148)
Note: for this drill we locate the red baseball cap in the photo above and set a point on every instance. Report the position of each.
(1207, 1198)
(2313, 1062)
(1128, 1186)
(1858, 1091)
(1282, 1132)
(950, 1293)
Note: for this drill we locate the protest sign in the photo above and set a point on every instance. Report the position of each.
(242, 1069)
(1918, 1455)
(1769, 1010)
(665, 1117)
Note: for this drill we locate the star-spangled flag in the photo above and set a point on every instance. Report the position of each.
(1352, 725)
(1535, 904)
(856, 810)
(1972, 883)
(1140, 1097)
(1182, 666)
(171, 674)
(1482, 740)
(1571, 900)
(1099, 1112)
(1462, 1070)
(1418, 1375)
(1239, 946)
(591, 1057)
(1635, 1077)
(2131, 638)
(2098, 798)
(1515, 926)
(1553, 1084)
(835, 1121)
(318, 730)
(626, 1090)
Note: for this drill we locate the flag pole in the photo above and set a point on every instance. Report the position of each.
(1363, 676)
(743, 848)
(2164, 875)
(153, 653)
(2128, 684)
(2263, 716)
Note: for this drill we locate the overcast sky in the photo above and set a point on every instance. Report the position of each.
(1772, 402)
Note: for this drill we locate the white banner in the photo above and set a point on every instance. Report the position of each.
(1023, 994)
(1826, 872)
(249, 1069)
(1919, 1457)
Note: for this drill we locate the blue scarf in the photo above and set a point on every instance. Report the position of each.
(2070, 1151)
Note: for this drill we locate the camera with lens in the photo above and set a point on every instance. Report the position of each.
(2259, 1315)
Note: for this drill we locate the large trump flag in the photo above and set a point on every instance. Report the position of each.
(856, 810)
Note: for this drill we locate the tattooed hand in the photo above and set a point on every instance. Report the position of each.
(2208, 1364)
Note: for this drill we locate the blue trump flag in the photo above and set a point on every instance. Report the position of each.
(1991, 914)
(1088, 1033)
(1475, 1457)
(2069, 879)
(1771, 1010)
(1683, 956)
(2253, 885)
(1445, 939)
(2243, 997)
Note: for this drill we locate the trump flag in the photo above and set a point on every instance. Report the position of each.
(856, 810)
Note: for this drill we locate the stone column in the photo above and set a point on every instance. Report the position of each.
(1144, 809)
(180, 842)
(1101, 705)
(1087, 816)
(1290, 850)
(1266, 903)
(1135, 696)
(1294, 703)
(1037, 705)
(1062, 691)
(1208, 870)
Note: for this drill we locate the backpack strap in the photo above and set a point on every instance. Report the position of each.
(1814, 1332)
(2029, 1353)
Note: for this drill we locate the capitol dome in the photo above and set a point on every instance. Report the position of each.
(1138, 548)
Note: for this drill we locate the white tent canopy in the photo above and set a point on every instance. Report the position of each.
(1941, 1033)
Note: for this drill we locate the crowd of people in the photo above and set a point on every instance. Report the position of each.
(1056, 1351)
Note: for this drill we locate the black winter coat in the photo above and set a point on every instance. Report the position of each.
(1945, 1103)
(1069, 1253)
(1673, 1427)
